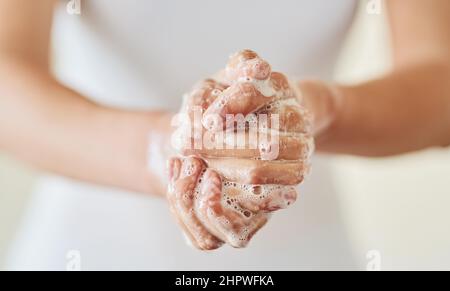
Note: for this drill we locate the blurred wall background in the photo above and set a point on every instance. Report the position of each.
(397, 206)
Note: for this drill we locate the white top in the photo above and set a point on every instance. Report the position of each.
(145, 55)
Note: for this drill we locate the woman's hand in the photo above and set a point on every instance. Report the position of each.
(243, 182)
(212, 212)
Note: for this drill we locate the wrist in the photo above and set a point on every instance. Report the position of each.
(158, 150)
(324, 101)
(142, 169)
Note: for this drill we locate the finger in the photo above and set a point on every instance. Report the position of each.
(239, 98)
(256, 198)
(281, 85)
(203, 94)
(245, 98)
(174, 169)
(246, 64)
(241, 67)
(288, 116)
(242, 96)
(194, 104)
(259, 172)
(231, 224)
(182, 193)
(247, 145)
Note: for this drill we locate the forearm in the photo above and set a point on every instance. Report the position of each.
(56, 129)
(407, 110)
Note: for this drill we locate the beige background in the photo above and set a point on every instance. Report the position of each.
(398, 206)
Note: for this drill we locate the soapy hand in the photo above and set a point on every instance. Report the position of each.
(212, 211)
(225, 193)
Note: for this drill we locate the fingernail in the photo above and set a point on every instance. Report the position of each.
(212, 121)
(173, 167)
(190, 167)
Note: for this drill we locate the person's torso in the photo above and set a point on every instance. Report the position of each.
(145, 54)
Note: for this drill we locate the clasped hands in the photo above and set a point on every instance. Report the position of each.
(244, 140)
